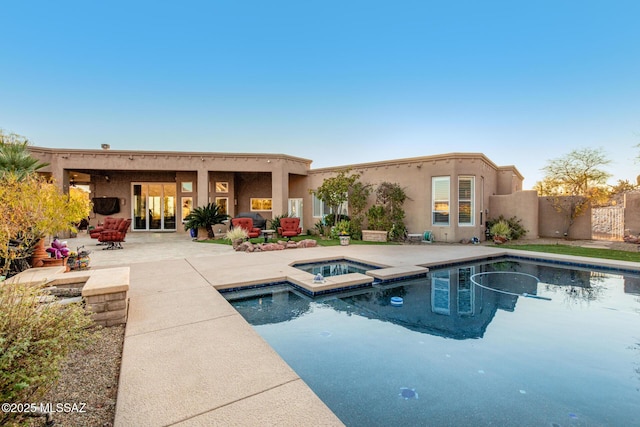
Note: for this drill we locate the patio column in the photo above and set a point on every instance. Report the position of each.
(279, 190)
(202, 186)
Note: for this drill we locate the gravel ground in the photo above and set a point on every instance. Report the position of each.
(90, 376)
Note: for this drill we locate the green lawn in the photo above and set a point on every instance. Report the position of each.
(580, 251)
(321, 241)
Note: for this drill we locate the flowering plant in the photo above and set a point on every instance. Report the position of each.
(343, 227)
(58, 249)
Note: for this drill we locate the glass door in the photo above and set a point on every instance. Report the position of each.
(154, 206)
(295, 209)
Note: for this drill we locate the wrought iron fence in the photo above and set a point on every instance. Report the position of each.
(607, 223)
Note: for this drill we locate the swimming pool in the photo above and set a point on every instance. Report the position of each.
(459, 354)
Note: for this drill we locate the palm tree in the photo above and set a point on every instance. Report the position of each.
(15, 158)
(205, 217)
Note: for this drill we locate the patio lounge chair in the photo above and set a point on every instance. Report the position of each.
(110, 223)
(247, 225)
(289, 227)
(114, 238)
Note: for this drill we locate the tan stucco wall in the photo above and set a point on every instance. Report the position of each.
(415, 176)
(523, 205)
(552, 224)
(509, 180)
(256, 185)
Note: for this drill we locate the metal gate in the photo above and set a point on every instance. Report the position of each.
(607, 223)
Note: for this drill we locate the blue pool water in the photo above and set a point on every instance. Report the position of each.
(458, 354)
(334, 267)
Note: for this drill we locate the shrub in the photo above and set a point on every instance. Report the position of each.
(387, 214)
(236, 233)
(329, 219)
(377, 218)
(516, 229)
(35, 338)
(275, 222)
(500, 229)
(30, 208)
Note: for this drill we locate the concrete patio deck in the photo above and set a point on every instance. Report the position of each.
(190, 359)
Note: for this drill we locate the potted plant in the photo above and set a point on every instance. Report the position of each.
(343, 228)
(33, 208)
(205, 217)
(501, 232)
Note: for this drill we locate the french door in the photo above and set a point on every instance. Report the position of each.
(154, 206)
(295, 209)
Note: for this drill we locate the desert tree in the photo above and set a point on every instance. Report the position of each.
(574, 182)
(334, 191)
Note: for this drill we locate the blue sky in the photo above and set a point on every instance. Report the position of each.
(337, 82)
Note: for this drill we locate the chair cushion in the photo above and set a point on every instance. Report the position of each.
(289, 227)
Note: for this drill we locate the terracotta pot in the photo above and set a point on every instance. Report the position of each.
(498, 240)
(39, 253)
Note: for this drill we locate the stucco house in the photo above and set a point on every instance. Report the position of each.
(449, 194)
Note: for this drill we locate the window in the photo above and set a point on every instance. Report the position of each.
(187, 206)
(466, 192)
(440, 194)
(319, 208)
(260, 204)
(223, 202)
(187, 187)
(222, 187)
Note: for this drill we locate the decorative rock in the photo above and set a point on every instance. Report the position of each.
(307, 243)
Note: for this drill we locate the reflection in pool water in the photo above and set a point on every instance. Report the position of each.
(335, 267)
(473, 356)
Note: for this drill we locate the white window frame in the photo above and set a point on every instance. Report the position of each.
(441, 292)
(469, 200)
(435, 202)
(319, 206)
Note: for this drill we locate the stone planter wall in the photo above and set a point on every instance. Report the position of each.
(105, 291)
(374, 236)
(108, 309)
(106, 295)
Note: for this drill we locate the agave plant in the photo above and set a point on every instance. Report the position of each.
(205, 217)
